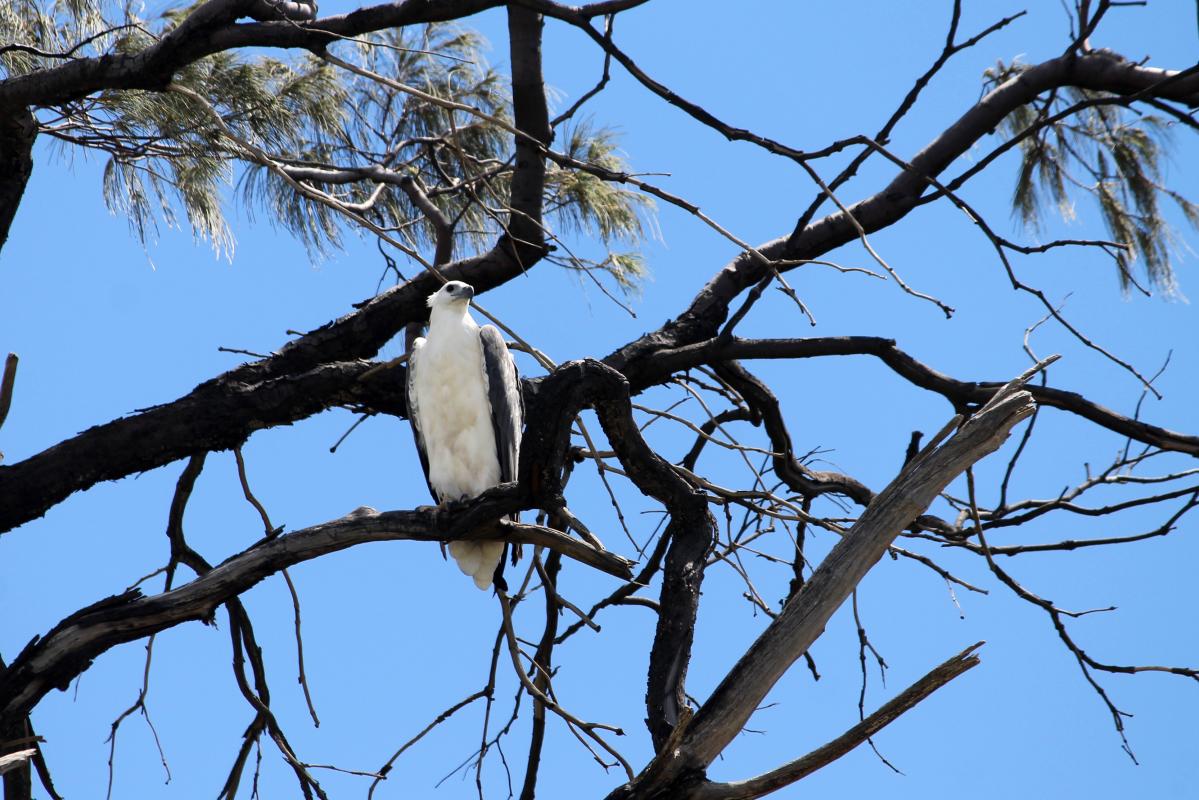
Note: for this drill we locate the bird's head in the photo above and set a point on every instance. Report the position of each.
(454, 295)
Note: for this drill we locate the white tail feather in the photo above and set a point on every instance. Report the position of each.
(478, 560)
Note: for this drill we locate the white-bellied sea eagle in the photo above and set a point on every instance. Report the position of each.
(466, 408)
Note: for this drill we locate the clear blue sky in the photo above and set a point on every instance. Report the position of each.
(394, 635)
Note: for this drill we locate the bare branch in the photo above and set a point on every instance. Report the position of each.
(802, 767)
(962, 394)
(70, 646)
(6, 388)
(589, 729)
(271, 531)
(721, 718)
(442, 717)
(6, 385)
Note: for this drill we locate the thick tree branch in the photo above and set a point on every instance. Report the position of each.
(800, 768)
(692, 533)
(299, 380)
(531, 115)
(51, 661)
(802, 620)
(216, 415)
(1099, 71)
(721, 718)
(962, 394)
(270, 10)
(16, 776)
(552, 404)
(18, 129)
(13, 761)
(209, 29)
(212, 29)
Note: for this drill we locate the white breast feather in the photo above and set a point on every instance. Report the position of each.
(455, 422)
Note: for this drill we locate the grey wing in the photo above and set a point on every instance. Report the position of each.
(414, 414)
(507, 402)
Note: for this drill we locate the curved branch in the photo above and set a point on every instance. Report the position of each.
(29, 488)
(721, 718)
(53, 660)
(800, 768)
(552, 405)
(300, 379)
(1097, 70)
(962, 394)
(798, 477)
(18, 129)
(216, 415)
(212, 28)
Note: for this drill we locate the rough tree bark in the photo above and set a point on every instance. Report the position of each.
(18, 130)
(677, 771)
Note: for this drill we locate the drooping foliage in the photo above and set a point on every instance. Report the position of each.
(1076, 142)
(350, 137)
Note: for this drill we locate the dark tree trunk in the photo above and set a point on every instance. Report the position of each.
(17, 783)
(18, 129)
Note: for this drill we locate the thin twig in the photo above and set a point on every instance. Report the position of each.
(271, 531)
(586, 728)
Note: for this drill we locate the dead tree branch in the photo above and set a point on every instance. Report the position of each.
(800, 768)
(721, 718)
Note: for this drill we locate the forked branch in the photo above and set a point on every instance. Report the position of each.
(801, 767)
(724, 715)
(53, 660)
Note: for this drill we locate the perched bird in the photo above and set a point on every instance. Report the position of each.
(467, 413)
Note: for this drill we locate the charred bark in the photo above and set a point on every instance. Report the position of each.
(18, 130)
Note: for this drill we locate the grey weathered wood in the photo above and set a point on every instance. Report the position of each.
(803, 620)
(725, 713)
(14, 760)
(793, 771)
